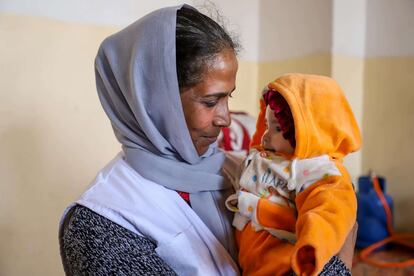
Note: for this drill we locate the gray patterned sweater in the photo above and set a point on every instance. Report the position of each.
(93, 245)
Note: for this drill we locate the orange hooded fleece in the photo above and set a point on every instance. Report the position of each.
(326, 211)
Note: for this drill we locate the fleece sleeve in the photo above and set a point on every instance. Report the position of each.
(326, 214)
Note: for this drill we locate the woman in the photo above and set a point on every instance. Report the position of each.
(164, 83)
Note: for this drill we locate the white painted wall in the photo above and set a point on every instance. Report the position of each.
(349, 28)
(390, 30)
(373, 28)
(268, 29)
(243, 20)
(117, 13)
(295, 28)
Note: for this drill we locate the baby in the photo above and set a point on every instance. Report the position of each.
(295, 202)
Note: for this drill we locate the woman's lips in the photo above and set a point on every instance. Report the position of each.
(210, 139)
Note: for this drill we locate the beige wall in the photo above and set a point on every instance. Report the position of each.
(53, 135)
(310, 64)
(348, 71)
(247, 88)
(389, 130)
(388, 101)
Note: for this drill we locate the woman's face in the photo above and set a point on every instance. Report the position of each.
(205, 105)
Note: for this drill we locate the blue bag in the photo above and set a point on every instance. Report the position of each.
(371, 216)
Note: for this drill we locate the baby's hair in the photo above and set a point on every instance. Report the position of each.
(282, 112)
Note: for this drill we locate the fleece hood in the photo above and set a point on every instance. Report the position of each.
(323, 119)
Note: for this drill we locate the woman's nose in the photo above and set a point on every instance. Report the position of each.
(222, 118)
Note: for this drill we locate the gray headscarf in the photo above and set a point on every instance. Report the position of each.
(137, 84)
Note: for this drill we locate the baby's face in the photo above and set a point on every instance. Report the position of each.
(273, 137)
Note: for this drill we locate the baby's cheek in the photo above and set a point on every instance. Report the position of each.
(275, 142)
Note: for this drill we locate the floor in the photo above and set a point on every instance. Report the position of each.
(395, 255)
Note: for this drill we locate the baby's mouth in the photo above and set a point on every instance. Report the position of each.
(269, 149)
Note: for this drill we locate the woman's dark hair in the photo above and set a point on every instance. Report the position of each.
(198, 40)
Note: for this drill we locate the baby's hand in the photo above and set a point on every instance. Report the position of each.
(232, 202)
(306, 260)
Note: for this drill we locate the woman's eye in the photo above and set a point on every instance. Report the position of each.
(278, 129)
(210, 103)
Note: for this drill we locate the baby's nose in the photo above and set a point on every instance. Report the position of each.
(265, 138)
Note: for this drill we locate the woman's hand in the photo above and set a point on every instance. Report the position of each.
(346, 254)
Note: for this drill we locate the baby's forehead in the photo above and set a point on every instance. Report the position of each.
(270, 116)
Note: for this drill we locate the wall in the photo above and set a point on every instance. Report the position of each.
(348, 61)
(372, 58)
(389, 100)
(296, 37)
(54, 135)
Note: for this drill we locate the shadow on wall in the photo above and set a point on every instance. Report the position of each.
(43, 170)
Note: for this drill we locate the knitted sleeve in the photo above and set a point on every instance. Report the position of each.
(94, 245)
(335, 267)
